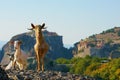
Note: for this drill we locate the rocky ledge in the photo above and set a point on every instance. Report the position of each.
(46, 75)
(3, 74)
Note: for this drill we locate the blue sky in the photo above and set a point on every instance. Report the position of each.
(73, 19)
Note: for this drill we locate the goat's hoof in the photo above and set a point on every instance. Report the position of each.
(38, 70)
(43, 70)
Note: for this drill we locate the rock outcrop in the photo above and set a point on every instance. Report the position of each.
(46, 75)
(54, 40)
(105, 44)
(1, 55)
(3, 75)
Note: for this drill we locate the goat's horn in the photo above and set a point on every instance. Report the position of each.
(30, 29)
(32, 25)
(44, 27)
(43, 24)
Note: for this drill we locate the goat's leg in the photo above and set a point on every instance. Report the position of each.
(42, 60)
(14, 62)
(38, 61)
(20, 66)
(25, 65)
(38, 64)
(43, 56)
(37, 58)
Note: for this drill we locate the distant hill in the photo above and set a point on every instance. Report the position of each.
(105, 44)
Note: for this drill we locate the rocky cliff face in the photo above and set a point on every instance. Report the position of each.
(28, 40)
(1, 55)
(105, 44)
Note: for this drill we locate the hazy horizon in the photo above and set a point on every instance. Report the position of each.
(2, 43)
(73, 19)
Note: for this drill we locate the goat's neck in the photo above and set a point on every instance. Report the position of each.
(39, 37)
(18, 51)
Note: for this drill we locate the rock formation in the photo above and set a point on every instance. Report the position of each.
(54, 40)
(3, 74)
(105, 44)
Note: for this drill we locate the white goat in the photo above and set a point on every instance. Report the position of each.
(10, 65)
(20, 58)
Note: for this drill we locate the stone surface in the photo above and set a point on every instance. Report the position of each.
(3, 74)
(46, 75)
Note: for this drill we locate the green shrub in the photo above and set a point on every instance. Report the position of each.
(92, 66)
(62, 61)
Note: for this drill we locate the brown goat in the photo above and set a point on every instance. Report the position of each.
(41, 47)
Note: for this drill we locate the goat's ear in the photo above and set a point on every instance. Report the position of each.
(20, 42)
(43, 25)
(32, 25)
(8, 54)
(11, 42)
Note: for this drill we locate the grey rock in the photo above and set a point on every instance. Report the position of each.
(46, 75)
(3, 74)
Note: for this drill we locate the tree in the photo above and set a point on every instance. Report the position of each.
(92, 67)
